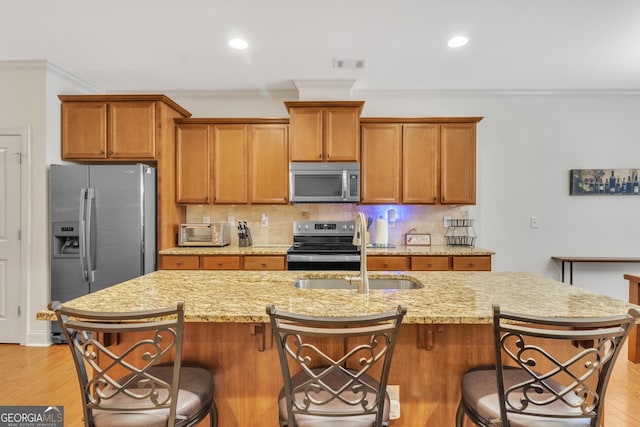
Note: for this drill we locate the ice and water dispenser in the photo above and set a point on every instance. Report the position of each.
(66, 239)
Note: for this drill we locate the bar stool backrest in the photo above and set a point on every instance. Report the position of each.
(335, 367)
(119, 378)
(556, 383)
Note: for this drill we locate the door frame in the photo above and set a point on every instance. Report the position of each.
(25, 221)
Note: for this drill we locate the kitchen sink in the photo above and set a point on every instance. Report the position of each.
(374, 283)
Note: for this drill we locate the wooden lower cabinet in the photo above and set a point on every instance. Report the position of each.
(374, 262)
(179, 262)
(430, 263)
(261, 262)
(382, 263)
(447, 263)
(222, 262)
(472, 263)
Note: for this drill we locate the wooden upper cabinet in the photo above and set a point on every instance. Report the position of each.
(193, 164)
(230, 163)
(131, 130)
(381, 163)
(458, 163)
(233, 161)
(324, 131)
(306, 134)
(116, 127)
(342, 134)
(420, 145)
(84, 130)
(269, 164)
(425, 161)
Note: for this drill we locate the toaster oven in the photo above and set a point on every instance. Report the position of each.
(213, 234)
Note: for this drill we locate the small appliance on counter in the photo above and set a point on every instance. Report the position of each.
(213, 234)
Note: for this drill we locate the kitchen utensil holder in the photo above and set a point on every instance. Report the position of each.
(460, 233)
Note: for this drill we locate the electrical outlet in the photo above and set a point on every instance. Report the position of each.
(394, 401)
(264, 220)
(445, 221)
(206, 219)
(231, 219)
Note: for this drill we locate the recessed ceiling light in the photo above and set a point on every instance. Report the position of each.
(238, 44)
(458, 41)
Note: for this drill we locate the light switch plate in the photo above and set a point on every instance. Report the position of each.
(534, 222)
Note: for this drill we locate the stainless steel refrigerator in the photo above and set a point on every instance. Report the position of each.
(103, 227)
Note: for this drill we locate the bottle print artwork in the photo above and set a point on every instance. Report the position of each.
(621, 182)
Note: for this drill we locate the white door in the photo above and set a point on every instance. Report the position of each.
(10, 281)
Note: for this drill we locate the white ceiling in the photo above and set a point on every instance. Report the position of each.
(181, 45)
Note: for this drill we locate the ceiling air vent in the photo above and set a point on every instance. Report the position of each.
(348, 63)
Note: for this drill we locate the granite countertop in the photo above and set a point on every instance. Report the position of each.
(282, 250)
(446, 298)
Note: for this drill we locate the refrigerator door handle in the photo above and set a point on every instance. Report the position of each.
(91, 196)
(83, 235)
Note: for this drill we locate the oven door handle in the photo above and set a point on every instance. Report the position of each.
(322, 258)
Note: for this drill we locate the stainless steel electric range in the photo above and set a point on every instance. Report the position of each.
(323, 245)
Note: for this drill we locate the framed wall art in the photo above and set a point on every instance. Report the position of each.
(604, 182)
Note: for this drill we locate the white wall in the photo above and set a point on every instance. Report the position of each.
(527, 143)
(28, 100)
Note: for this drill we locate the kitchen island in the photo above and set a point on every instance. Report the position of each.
(447, 328)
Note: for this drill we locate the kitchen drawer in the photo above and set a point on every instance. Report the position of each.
(382, 263)
(472, 263)
(220, 262)
(430, 263)
(264, 262)
(179, 262)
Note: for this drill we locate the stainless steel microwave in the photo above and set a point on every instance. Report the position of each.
(324, 182)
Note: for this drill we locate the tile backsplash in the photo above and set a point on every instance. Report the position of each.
(273, 224)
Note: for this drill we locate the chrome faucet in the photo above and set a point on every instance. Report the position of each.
(360, 239)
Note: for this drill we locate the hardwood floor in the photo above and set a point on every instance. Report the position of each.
(42, 376)
(46, 376)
